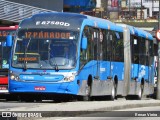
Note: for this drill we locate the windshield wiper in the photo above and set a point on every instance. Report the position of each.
(54, 64)
(25, 55)
(54, 60)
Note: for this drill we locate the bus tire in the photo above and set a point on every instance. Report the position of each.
(140, 93)
(87, 93)
(113, 92)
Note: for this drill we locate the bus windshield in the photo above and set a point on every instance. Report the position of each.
(4, 55)
(45, 49)
(5, 50)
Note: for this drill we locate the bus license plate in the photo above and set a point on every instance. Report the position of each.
(3, 88)
(40, 88)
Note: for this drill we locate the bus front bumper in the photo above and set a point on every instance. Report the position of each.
(31, 87)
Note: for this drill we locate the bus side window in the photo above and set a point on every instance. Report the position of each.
(109, 45)
(104, 45)
(135, 50)
(142, 51)
(150, 53)
(90, 37)
(119, 54)
(147, 52)
(117, 47)
(85, 54)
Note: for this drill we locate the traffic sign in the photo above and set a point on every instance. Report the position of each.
(158, 34)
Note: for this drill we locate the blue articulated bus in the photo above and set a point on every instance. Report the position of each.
(68, 54)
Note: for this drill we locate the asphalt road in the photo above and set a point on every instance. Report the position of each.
(143, 113)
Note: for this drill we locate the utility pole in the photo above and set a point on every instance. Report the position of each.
(141, 10)
(152, 7)
(129, 9)
(159, 16)
(158, 78)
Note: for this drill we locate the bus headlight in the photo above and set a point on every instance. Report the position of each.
(14, 77)
(69, 78)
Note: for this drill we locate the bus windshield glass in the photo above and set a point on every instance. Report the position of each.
(5, 50)
(4, 55)
(45, 49)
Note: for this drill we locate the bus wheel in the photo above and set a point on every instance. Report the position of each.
(87, 93)
(113, 92)
(140, 93)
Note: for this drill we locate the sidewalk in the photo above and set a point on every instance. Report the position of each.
(89, 106)
(71, 109)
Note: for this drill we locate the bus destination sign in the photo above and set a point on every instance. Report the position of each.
(49, 35)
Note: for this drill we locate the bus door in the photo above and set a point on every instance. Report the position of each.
(103, 53)
(144, 61)
(135, 59)
(150, 63)
(147, 62)
(109, 53)
(97, 51)
(93, 52)
(139, 60)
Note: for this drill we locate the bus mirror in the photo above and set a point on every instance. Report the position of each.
(84, 43)
(9, 40)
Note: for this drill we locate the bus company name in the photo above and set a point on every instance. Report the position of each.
(52, 23)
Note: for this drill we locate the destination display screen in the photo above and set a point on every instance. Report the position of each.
(30, 57)
(20, 59)
(4, 33)
(51, 35)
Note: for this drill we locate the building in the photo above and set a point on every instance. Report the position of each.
(153, 7)
(13, 11)
(143, 8)
(109, 8)
(78, 6)
(129, 9)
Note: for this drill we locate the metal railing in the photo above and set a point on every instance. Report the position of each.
(15, 12)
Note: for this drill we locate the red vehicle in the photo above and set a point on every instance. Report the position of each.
(4, 56)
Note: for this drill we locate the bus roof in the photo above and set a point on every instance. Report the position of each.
(131, 28)
(138, 32)
(73, 19)
(103, 23)
(143, 33)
